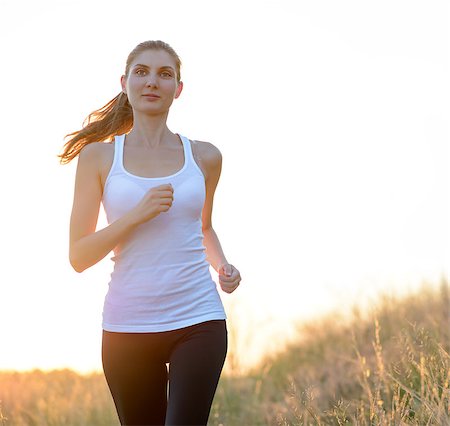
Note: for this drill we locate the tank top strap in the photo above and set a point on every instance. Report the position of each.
(188, 156)
(118, 152)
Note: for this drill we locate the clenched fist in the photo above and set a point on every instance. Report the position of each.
(157, 200)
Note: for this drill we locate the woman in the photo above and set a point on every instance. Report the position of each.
(157, 188)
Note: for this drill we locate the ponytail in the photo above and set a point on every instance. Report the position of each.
(101, 125)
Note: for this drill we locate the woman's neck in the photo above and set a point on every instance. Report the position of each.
(150, 132)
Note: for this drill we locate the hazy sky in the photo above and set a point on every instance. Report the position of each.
(333, 122)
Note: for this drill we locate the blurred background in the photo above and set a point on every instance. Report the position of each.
(332, 119)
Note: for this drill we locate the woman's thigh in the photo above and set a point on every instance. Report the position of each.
(137, 377)
(195, 366)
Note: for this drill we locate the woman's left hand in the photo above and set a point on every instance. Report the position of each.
(229, 277)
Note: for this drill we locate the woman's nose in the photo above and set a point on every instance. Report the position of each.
(151, 81)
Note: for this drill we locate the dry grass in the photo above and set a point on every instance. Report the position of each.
(389, 366)
(56, 398)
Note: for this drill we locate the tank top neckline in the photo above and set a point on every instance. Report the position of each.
(119, 142)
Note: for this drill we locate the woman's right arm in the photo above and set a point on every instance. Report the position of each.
(88, 247)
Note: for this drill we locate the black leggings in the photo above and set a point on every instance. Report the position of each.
(137, 376)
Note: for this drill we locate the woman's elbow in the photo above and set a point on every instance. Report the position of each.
(75, 263)
(78, 268)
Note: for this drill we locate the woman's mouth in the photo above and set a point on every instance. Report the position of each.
(151, 96)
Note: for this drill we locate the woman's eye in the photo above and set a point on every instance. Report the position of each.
(140, 71)
(166, 74)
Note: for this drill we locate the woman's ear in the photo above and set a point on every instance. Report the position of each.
(123, 84)
(179, 89)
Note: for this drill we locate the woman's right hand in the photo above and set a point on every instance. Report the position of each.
(157, 200)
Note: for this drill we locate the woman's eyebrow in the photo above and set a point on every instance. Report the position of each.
(146, 66)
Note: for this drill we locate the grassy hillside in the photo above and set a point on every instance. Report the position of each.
(389, 366)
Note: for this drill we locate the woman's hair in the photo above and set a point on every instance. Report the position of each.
(116, 117)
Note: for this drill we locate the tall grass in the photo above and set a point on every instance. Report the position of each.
(55, 398)
(388, 366)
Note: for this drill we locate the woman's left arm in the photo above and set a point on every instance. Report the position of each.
(210, 160)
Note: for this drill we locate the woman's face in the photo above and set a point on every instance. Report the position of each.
(151, 84)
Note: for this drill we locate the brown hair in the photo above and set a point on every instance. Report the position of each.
(114, 118)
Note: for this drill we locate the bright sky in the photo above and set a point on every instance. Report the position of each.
(333, 121)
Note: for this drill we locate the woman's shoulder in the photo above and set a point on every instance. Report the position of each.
(208, 157)
(207, 152)
(99, 156)
(97, 152)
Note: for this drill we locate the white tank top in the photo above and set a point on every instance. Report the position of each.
(161, 279)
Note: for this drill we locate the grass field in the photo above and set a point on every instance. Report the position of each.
(389, 366)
